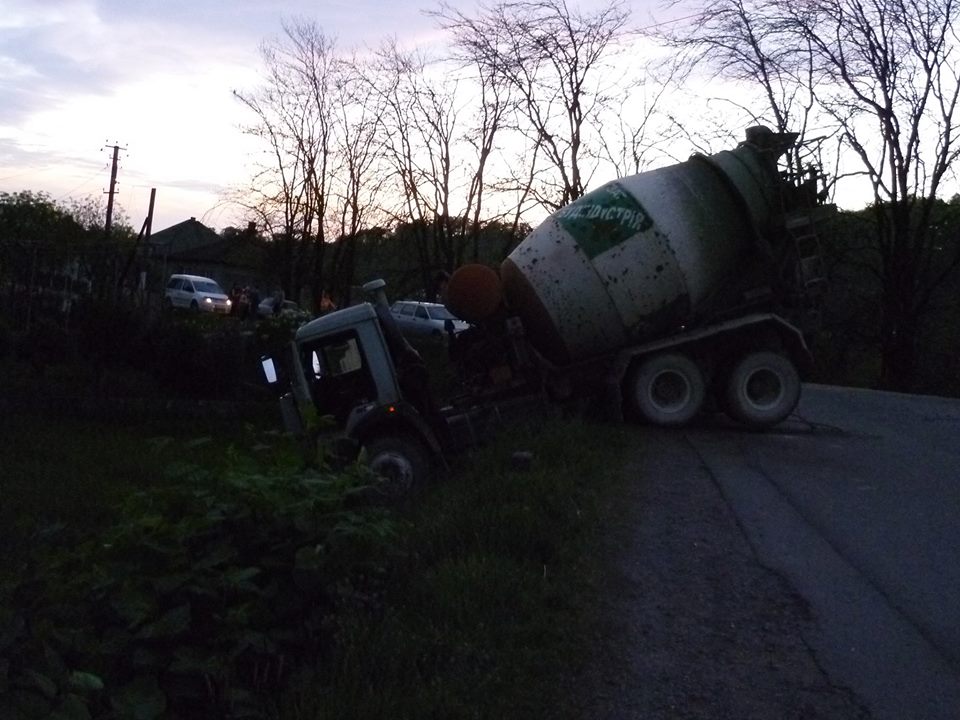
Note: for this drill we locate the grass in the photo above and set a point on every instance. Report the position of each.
(487, 608)
(493, 612)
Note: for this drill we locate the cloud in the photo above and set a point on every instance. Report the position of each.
(55, 50)
(155, 76)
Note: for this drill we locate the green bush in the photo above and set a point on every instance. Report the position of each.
(189, 359)
(197, 602)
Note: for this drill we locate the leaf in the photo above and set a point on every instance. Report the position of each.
(310, 557)
(157, 444)
(41, 682)
(114, 642)
(171, 623)
(243, 703)
(84, 681)
(134, 606)
(218, 555)
(73, 707)
(26, 704)
(167, 584)
(142, 699)
(193, 661)
(240, 576)
(144, 659)
(55, 665)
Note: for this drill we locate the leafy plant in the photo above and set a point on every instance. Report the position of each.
(200, 599)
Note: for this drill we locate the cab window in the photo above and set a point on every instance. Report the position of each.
(340, 377)
(341, 357)
(422, 313)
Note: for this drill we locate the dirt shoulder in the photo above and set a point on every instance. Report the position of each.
(693, 626)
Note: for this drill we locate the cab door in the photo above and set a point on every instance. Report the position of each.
(338, 375)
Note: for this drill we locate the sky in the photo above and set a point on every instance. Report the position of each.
(155, 77)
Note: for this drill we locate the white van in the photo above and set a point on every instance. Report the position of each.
(196, 293)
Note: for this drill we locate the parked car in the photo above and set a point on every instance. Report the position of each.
(423, 318)
(288, 308)
(196, 293)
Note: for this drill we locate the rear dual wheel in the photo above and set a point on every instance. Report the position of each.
(763, 388)
(666, 389)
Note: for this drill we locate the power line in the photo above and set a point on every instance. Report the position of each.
(669, 22)
(82, 183)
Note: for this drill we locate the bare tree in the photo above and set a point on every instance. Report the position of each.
(746, 42)
(278, 193)
(555, 59)
(494, 104)
(395, 76)
(316, 68)
(438, 158)
(295, 112)
(891, 82)
(884, 74)
(359, 182)
(638, 129)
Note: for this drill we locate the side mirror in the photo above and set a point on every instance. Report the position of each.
(269, 369)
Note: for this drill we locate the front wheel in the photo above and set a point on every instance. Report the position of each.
(400, 462)
(763, 388)
(667, 389)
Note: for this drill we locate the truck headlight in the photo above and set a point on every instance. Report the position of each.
(208, 300)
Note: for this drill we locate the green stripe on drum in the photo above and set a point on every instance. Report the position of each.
(603, 219)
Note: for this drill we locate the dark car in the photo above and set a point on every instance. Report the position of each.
(288, 309)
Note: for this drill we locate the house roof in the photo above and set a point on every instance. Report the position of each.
(184, 236)
(193, 242)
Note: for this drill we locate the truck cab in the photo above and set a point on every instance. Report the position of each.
(348, 367)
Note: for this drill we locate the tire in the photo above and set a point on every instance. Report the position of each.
(762, 389)
(667, 389)
(194, 307)
(401, 462)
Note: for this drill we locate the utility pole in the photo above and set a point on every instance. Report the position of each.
(111, 192)
(145, 231)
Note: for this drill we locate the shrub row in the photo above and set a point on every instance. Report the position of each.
(122, 351)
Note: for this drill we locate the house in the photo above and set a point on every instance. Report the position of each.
(191, 247)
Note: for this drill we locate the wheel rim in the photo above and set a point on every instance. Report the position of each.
(763, 388)
(395, 468)
(669, 391)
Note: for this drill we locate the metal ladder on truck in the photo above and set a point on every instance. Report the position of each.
(806, 257)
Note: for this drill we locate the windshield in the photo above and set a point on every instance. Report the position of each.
(441, 313)
(208, 287)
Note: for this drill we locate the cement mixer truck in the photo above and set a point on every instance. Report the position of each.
(655, 295)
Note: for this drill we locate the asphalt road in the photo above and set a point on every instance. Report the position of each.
(855, 502)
